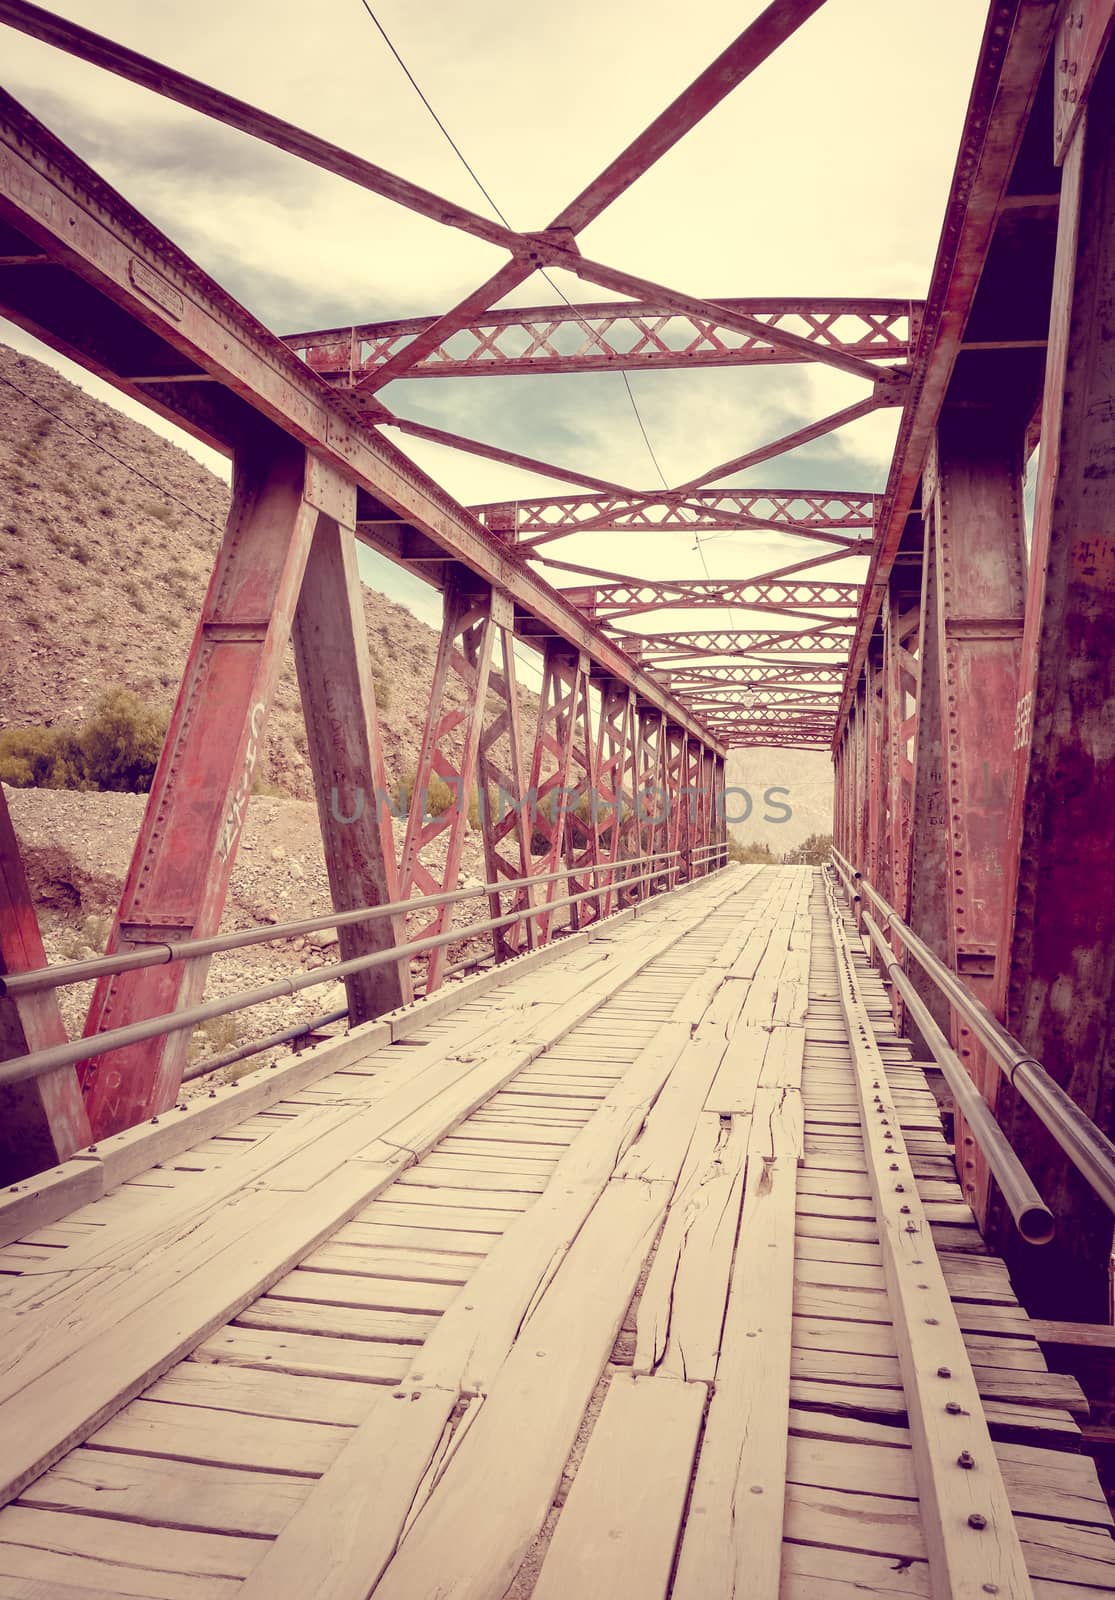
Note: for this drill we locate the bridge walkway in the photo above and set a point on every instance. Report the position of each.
(638, 1268)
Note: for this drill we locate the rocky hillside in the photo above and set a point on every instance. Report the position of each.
(107, 538)
(770, 783)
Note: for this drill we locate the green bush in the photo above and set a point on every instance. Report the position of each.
(439, 798)
(812, 852)
(751, 854)
(116, 748)
(120, 743)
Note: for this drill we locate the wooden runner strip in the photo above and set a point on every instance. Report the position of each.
(733, 1536)
(619, 1527)
(971, 1540)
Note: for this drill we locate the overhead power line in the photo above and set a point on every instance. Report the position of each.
(459, 153)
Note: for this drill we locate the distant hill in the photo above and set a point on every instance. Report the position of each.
(103, 570)
(806, 778)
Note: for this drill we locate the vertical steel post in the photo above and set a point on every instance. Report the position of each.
(503, 798)
(449, 753)
(43, 1120)
(708, 791)
(1057, 967)
(902, 646)
(719, 803)
(615, 792)
(346, 756)
(649, 808)
(873, 734)
(928, 885)
(183, 858)
(975, 503)
(564, 673)
(676, 741)
(582, 816)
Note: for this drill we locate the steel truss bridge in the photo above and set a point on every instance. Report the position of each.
(727, 1230)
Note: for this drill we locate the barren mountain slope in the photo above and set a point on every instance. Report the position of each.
(107, 537)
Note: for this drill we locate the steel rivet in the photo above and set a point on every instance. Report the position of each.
(900, 1188)
(977, 1521)
(904, 1210)
(944, 1372)
(894, 1166)
(154, 1122)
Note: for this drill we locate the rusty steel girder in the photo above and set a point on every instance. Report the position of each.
(832, 516)
(635, 596)
(42, 1121)
(611, 336)
(783, 674)
(658, 648)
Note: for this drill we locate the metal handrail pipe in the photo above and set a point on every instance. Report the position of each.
(269, 1041)
(21, 1068)
(161, 954)
(1032, 1216)
(1090, 1150)
(843, 861)
(848, 884)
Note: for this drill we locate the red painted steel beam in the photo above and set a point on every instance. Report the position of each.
(613, 336)
(812, 513)
(684, 678)
(1016, 42)
(883, 395)
(1058, 930)
(972, 491)
(118, 284)
(86, 45)
(740, 641)
(183, 858)
(635, 596)
(491, 452)
(42, 1121)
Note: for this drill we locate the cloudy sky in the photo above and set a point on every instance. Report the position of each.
(825, 174)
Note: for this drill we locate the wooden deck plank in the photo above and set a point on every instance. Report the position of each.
(619, 1527)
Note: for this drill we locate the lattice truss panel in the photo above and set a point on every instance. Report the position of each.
(595, 337)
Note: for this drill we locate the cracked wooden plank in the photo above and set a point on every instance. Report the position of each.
(681, 1309)
(732, 1545)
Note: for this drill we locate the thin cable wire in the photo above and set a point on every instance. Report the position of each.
(415, 86)
(475, 178)
(127, 465)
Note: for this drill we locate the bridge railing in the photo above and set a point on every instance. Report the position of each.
(1086, 1146)
(656, 875)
